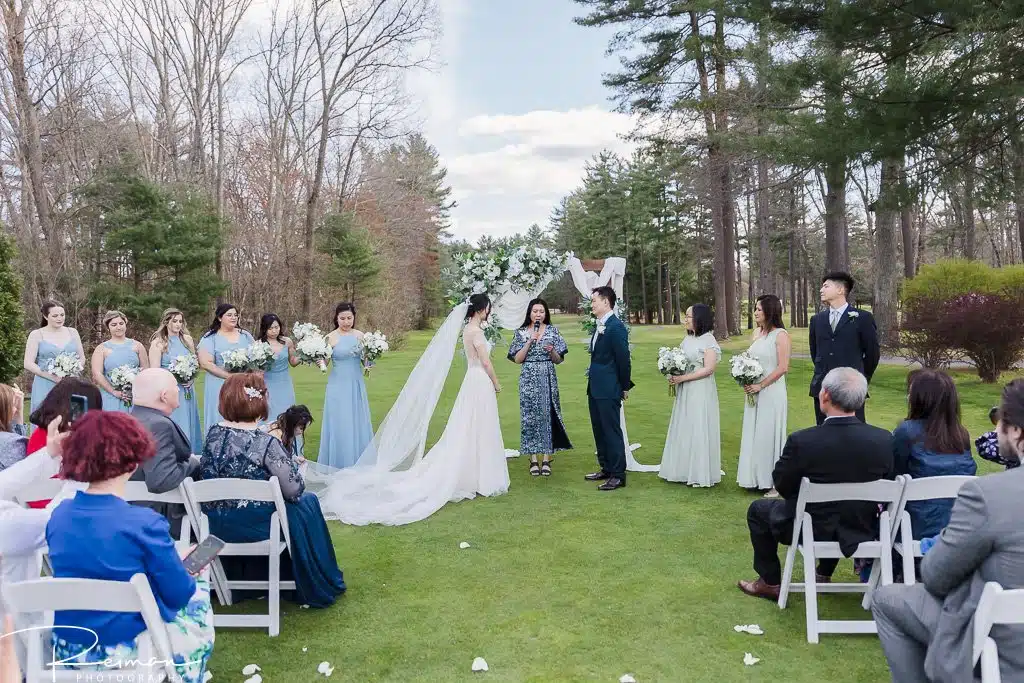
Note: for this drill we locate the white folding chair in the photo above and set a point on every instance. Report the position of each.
(925, 488)
(882, 491)
(45, 596)
(211, 490)
(136, 491)
(997, 607)
(42, 489)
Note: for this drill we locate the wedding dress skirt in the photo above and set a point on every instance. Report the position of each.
(468, 460)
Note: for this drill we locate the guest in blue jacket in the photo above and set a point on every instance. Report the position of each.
(99, 535)
(932, 442)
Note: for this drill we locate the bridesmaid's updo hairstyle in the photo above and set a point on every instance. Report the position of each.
(771, 305)
(45, 310)
(266, 322)
(343, 307)
(243, 398)
(111, 316)
(217, 315)
(477, 303)
(703, 320)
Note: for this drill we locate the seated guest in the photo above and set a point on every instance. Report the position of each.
(988, 445)
(99, 535)
(289, 428)
(932, 442)
(842, 450)
(58, 404)
(926, 629)
(12, 432)
(154, 398)
(237, 449)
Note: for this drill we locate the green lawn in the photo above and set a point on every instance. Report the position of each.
(565, 583)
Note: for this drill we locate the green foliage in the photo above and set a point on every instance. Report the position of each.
(947, 279)
(12, 336)
(155, 246)
(354, 266)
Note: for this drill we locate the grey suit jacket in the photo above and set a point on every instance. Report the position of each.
(171, 465)
(983, 542)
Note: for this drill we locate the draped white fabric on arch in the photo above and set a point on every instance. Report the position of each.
(613, 274)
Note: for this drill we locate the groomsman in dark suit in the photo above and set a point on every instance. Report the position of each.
(841, 337)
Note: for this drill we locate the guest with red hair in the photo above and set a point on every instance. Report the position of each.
(99, 535)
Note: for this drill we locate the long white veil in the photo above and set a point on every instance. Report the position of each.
(401, 439)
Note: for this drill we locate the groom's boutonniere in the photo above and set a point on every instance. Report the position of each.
(853, 314)
(600, 329)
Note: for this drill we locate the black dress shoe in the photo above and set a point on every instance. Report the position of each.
(597, 476)
(612, 484)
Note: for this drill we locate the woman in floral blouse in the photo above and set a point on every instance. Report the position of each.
(237, 449)
(539, 347)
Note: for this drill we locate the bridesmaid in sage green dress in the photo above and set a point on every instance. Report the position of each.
(693, 448)
(764, 423)
(112, 354)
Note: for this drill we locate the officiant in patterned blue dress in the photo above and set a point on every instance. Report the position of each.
(539, 347)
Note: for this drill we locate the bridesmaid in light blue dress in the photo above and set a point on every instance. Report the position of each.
(113, 353)
(45, 344)
(224, 335)
(346, 429)
(170, 341)
(278, 377)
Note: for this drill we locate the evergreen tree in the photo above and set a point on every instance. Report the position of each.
(354, 266)
(12, 335)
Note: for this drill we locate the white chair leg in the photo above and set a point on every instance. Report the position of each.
(274, 593)
(810, 583)
(907, 539)
(990, 663)
(873, 579)
(787, 576)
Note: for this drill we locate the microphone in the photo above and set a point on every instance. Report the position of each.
(536, 325)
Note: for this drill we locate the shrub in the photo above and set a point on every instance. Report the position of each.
(924, 334)
(945, 280)
(989, 329)
(12, 335)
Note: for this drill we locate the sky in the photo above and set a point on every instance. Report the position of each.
(515, 108)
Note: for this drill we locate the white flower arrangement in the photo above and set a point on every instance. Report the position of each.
(853, 314)
(314, 349)
(261, 356)
(66, 364)
(373, 346)
(301, 330)
(746, 370)
(492, 331)
(185, 368)
(519, 268)
(121, 379)
(236, 360)
(673, 362)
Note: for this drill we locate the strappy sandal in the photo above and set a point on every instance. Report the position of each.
(545, 468)
(534, 468)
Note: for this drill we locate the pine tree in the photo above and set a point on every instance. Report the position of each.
(354, 266)
(12, 336)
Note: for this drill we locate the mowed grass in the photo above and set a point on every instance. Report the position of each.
(565, 583)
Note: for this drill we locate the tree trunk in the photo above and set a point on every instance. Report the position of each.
(643, 287)
(907, 228)
(837, 256)
(1018, 188)
(792, 281)
(658, 298)
(970, 230)
(764, 255)
(887, 269)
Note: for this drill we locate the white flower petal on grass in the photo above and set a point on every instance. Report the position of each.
(305, 649)
(250, 669)
(325, 669)
(207, 677)
(303, 606)
(627, 678)
(479, 664)
(750, 660)
(752, 629)
(463, 545)
(255, 678)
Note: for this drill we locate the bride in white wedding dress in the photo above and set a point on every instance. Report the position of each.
(468, 460)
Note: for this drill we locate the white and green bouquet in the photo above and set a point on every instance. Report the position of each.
(492, 330)
(185, 368)
(673, 362)
(261, 356)
(121, 379)
(66, 364)
(373, 346)
(314, 349)
(301, 330)
(529, 266)
(236, 360)
(746, 370)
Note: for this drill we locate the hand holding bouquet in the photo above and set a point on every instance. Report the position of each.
(314, 349)
(121, 379)
(66, 365)
(374, 345)
(746, 370)
(261, 356)
(185, 368)
(236, 360)
(673, 362)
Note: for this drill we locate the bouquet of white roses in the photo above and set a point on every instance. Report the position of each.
(121, 379)
(746, 370)
(66, 365)
(301, 330)
(261, 356)
(185, 368)
(236, 360)
(673, 362)
(373, 346)
(314, 349)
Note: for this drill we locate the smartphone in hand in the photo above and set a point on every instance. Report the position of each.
(202, 555)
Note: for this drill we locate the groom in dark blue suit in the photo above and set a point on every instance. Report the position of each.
(841, 337)
(608, 386)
